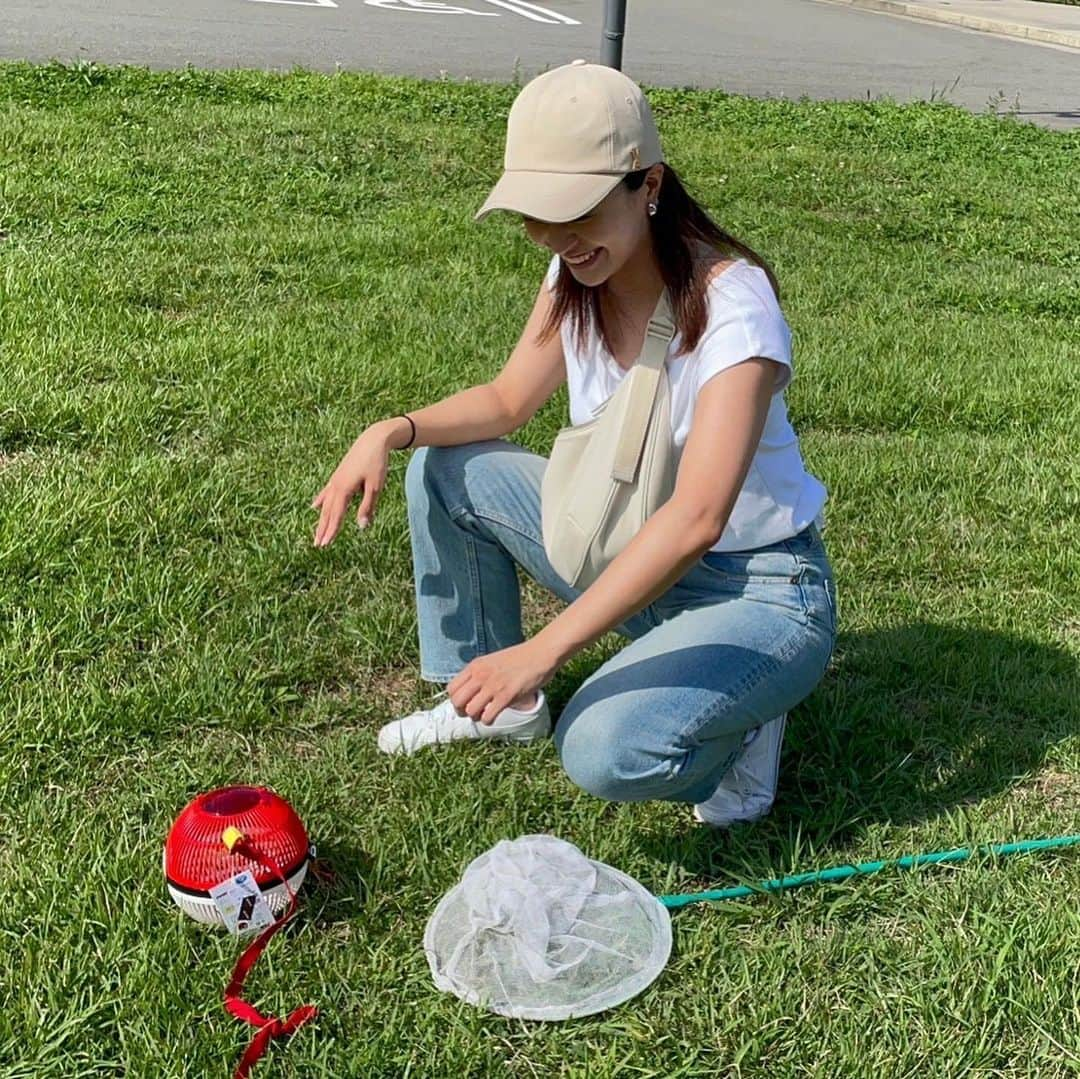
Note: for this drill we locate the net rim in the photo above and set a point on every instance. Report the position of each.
(629, 988)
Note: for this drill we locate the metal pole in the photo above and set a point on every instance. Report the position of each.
(612, 38)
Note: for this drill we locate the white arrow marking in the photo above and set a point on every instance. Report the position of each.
(299, 3)
(534, 12)
(431, 7)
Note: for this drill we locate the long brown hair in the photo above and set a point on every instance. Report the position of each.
(680, 223)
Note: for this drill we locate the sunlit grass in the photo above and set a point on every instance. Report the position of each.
(211, 282)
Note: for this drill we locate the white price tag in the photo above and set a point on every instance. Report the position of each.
(242, 906)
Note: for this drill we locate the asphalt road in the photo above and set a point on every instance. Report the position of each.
(764, 48)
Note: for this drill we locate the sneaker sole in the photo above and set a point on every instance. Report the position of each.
(730, 821)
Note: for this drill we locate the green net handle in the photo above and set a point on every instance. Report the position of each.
(843, 872)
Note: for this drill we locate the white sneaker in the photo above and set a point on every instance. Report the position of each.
(747, 792)
(442, 724)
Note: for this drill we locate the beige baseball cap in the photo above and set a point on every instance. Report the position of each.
(573, 133)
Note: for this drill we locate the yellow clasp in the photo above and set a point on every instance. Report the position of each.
(231, 836)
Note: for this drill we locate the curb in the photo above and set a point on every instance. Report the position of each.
(1032, 34)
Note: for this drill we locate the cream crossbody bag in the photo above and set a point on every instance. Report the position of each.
(606, 477)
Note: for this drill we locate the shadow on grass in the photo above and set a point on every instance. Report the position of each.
(908, 723)
(336, 883)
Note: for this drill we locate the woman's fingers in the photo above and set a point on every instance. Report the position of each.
(332, 501)
(331, 525)
(329, 521)
(320, 528)
(367, 507)
(473, 697)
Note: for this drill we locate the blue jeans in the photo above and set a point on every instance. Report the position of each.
(739, 639)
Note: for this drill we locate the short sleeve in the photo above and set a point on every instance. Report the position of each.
(744, 320)
(552, 274)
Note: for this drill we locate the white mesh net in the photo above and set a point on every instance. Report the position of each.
(535, 930)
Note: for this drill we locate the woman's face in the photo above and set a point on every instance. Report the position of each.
(599, 244)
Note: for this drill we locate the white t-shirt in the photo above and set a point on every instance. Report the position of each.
(779, 497)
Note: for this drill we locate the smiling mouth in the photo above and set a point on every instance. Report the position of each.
(583, 260)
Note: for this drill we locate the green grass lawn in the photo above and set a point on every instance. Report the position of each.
(211, 282)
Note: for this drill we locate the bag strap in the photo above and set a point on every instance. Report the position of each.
(267, 1026)
(646, 374)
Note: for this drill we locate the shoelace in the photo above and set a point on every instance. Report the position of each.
(446, 718)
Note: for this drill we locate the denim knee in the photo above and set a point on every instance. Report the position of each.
(415, 471)
(599, 759)
(428, 470)
(597, 774)
(429, 466)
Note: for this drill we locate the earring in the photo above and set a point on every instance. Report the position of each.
(652, 209)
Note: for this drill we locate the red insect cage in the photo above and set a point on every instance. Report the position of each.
(220, 834)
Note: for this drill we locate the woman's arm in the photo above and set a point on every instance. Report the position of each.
(729, 416)
(490, 410)
(471, 415)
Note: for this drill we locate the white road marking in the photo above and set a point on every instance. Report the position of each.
(534, 12)
(431, 7)
(523, 8)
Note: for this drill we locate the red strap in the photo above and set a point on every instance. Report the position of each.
(269, 1027)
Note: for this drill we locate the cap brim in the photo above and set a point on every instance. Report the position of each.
(548, 196)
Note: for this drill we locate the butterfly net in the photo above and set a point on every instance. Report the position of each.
(535, 930)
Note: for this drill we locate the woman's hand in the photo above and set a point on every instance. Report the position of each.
(489, 683)
(363, 468)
